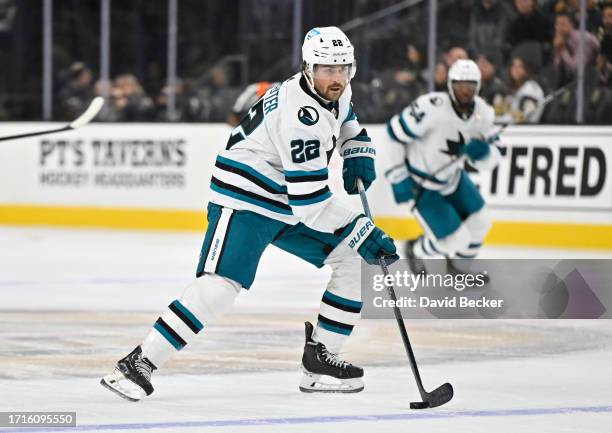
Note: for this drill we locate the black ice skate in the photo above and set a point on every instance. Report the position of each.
(453, 269)
(132, 377)
(416, 265)
(317, 362)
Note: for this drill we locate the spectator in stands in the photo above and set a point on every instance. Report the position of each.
(181, 103)
(215, 98)
(108, 112)
(415, 70)
(399, 86)
(76, 95)
(604, 34)
(489, 22)
(440, 77)
(565, 47)
(493, 89)
(454, 54)
(530, 25)
(572, 7)
(130, 100)
(453, 22)
(526, 94)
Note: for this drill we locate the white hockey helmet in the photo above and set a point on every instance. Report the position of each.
(327, 46)
(463, 70)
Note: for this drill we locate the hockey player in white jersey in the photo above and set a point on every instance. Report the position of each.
(428, 134)
(270, 186)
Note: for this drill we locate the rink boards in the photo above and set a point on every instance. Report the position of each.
(553, 187)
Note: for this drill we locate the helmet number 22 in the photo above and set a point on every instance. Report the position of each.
(337, 42)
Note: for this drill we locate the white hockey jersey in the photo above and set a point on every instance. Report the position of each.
(429, 133)
(275, 161)
(526, 104)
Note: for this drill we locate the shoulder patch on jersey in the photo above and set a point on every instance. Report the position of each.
(308, 115)
(436, 101)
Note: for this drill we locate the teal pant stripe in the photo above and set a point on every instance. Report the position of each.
(341, 300)
(335, 329)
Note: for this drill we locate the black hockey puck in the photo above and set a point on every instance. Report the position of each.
(419, 405)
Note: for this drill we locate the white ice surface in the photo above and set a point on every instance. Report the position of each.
(73, 301)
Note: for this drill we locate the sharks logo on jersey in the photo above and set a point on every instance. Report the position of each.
(308, 115)
(455, 148)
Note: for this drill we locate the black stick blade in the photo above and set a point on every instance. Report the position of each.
(419, 405)
(439, 396)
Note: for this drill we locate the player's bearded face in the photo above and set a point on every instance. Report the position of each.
(331, 80)
(464, 91)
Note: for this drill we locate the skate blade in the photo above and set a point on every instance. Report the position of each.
(315, 383)
(123, 387)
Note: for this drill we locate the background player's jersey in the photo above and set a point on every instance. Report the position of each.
(275, 161)
(429, 133)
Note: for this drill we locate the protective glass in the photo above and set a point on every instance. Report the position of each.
(342, 72)
(465, 86)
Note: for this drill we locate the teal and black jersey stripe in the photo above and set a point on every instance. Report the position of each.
(251, 174)
(351, 114)
(170, 334)
(250, 197)
(392, 134)
(306, 176)
(310, 198)
(186, 316)
(405, 127)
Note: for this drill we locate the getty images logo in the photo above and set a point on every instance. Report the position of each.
(361, 234)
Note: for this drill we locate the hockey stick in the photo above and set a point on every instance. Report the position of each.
(441, 394)
(83, 119)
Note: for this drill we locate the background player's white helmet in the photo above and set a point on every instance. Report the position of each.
(463, 70)
(327, 46)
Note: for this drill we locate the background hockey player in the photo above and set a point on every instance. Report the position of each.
(432, 131)
(247, 98)
(269, 186)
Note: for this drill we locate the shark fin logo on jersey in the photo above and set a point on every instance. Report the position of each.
(308, 115)
(455, 148)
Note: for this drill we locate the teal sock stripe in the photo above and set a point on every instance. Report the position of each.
(192, 318)
(343, 301)
(332, 328)
(173, 341)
